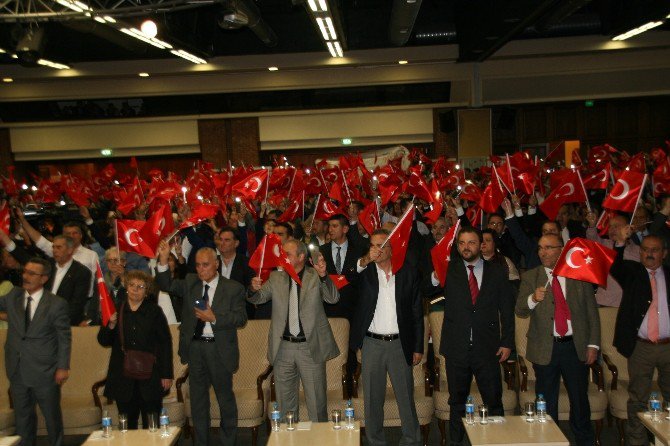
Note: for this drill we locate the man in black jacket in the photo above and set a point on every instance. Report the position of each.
(478, 328)
(233, 264)
(388, 328)
(642, 332)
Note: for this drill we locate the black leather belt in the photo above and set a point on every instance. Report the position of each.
(293, 339)
(660, 341)
(204, 339)
(391, 337)
(563, 338)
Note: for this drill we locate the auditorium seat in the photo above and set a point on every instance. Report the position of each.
(6, 412)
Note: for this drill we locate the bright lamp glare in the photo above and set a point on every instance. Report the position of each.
(149, 28)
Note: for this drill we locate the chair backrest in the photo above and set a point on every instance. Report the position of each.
(88, 363)
(436, 319)
(340, 329)
(607, 324)
(521, 340)
(4, 381)
(177, 367)
(253, 344)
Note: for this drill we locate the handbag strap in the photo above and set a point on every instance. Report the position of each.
(123, 304)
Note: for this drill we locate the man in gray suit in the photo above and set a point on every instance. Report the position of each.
(563, 335)
(213, 309)
(37, 352)
(300, 340)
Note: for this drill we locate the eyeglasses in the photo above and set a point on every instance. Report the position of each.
(137, 285)
(495, 223)
(115, 261)
(32, 273)
(547, 248)
(651, 250)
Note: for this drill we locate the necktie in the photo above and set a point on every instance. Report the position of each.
(28, 308)
(293, 318)
(472, 281)
(561, 310)
(338, 260)
(652, 320)
(200, 325)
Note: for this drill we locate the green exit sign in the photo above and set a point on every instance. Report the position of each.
(588, 103)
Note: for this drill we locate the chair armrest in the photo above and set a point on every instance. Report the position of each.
(94, 390)
(436, 374)
(355, 379)
(509, 369)
(180, 382)
(523, 387)
(259, 382)
(345, 380)
(428, 390)
(613, 370)
(598, 373)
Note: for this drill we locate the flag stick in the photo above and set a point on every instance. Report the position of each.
(260, 268)
(346, 186)
(116, 235)
(509, 168)
(639, 196)
(303, 205)
(588, 205)
(409, 209)
(267, 187)
(290, 188)
(501, 182)
(314, 214)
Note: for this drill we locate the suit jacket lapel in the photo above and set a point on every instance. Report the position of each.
(20, 309)
(41, 309)
(485, 285)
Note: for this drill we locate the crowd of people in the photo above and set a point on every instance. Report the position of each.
(339, 263)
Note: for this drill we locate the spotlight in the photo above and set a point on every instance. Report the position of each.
(149, 28)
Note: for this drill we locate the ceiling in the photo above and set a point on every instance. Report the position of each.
(479, 28)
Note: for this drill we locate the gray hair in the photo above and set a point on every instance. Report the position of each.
(46, 265)
(68, 240)
(113, 250)
(301, 248)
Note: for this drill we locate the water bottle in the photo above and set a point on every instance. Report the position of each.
(470, 410)
(164, 422)
(541, 408)
(349, 416)
(655, 407)
(106, 424)
(275, 417)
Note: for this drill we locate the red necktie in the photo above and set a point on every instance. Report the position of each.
(472, 281)
(652, 320)
(561, 310)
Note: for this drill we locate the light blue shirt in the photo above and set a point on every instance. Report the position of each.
(663, 316)
(343, 252)
(478, 270)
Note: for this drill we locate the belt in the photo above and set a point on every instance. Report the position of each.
(204, 339)
(660, 341)
(293, 339)
(563, 338)
(390, 337)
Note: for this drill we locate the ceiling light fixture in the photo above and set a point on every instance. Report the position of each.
(188, 56)
(149, 28)
(402, 62)
(331, 28)
(143, 74)
(7, 80)
(51, 64)
(273, 69)
(136, 33)
(322, 27)
(324, 21)
(638, 30)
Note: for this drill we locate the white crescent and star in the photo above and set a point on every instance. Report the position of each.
(626, 189)
(275, 250)
(128, 235)
(571, 188)
(568, 257)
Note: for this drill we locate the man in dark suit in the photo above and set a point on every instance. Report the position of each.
(388, 328)
(563, 335)
(301, 340)
(234, 265)
(478, 328)
(212, 312)
(37, 352)
(642, 332)
(69, 279)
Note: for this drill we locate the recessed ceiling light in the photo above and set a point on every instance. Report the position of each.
(149, 28)
(402, 62)
(143, 75)
(7, 79)
(273, 68)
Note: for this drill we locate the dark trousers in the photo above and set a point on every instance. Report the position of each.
(207, 369)
(565, 363)
(137, 405)
(460, 371)
(47, 395)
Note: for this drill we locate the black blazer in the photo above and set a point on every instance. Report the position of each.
(634, 280)
(73, 288)
(409, 308)
(241, 272)
(348, 294)
(145, 329)
(491, 318)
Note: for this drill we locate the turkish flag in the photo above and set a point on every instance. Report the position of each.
(251, 186)
(661, 178)
(339, 280)
(570, 191)
(293, 211)
(559, 177)
(452, 179)
(441, 253)
(325, 209)
(369, 217)
(416, 185)
(436, 204)
(9, 184)
(281, 178)
(133, 163)
(657, 155)
(598, 178)
(314, 184)
(130, 240)
(399, 239)
(599, 154)
(585, 260)
(200, 213)
(475, 215)
(471, 192)
(4, 217)
(159, 225)
(166, 190)
(626, 191)
(269, 254)
(492, 196)
(107, 308)
(132, 199)
(603, 224)
(637, 163)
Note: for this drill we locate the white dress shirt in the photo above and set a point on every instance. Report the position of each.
(37, 296)
(561, 280)
(60, 274)
(82, 254)
(226, 269)
(663, 317)
(385, 319)
(207, 330)
(343, 253)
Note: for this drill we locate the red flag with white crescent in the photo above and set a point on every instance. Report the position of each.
(570, 191)
(441, 253)
(107, 308)
(399, 238)
(251, 186)
(129, 238)
(339, 280)
(369, 217)
(270, 254)
(626, 191)
(585, 260)
(4, 217)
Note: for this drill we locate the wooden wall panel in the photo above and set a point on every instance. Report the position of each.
(534, 125)
(212, 134)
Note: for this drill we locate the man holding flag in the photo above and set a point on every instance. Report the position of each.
(301, 340)
(564, 331)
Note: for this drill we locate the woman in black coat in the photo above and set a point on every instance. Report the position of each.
(145, 328)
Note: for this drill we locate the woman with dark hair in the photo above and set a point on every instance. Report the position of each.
(139, 324)
(490, 252)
